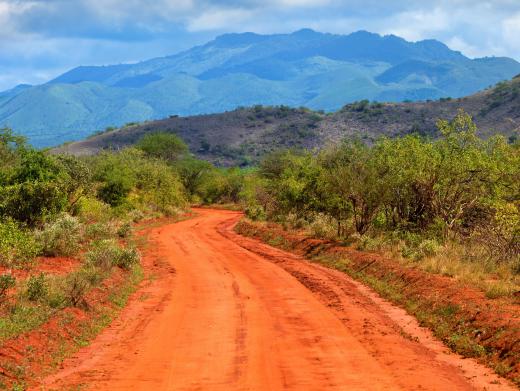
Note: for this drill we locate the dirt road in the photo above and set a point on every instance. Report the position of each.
(222, 312)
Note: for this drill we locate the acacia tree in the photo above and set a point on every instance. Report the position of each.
(356, 175)
(465, 172)
(162, 145)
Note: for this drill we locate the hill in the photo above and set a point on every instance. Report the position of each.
(244, 135)
(305, 68)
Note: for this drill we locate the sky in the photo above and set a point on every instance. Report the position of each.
(40, 39)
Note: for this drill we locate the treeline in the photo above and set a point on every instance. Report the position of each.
(425, 192)
(43, 195)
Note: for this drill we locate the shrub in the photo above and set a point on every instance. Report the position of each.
(92, 274)
(367, 243)
(7, 281)
(126, 258)
(91, 209)
(409, 252)
(37, 288)
(99, 231)
(417, 249)
(102, 254)
(75, 289)
(124, 230)
(40, 186)
(61, 237)
(16, 244)
(166, 146)
(323, 227)
(106, 253)
(136, 215)
(429, 248)
(255, 212)
(114, 191)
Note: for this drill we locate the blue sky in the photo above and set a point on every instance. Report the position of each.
(40, 39)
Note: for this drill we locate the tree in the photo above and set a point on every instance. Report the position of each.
(161, 145)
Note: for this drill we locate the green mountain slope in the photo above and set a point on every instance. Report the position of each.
(306, 68)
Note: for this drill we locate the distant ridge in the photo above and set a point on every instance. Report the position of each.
(243, 136)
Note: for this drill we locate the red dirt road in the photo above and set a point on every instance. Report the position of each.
(222, 312)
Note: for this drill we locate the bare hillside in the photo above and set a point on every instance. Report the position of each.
(242, 136)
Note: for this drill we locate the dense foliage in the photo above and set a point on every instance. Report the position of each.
(458, 187)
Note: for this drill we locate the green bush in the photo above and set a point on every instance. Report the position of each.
(75, 289)
(17, 246)
(255, 212)
(126, 258)
(90, 209)
(161, 145)
(368, 243)
(429, 247)
(37, 288)
(106, 253)
(7, 281)
(62, 237)
(103, 254)
(99, 231)
(124, 230)
(114, 191)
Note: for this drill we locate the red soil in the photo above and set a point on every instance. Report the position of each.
(55, 266)
(230, 313)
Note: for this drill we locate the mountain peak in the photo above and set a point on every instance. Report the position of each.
(306, 32)
(235, 39)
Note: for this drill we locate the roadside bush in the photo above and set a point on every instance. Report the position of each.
(126, 258)
(501, 235)
(368, 243)
(17, 246)
(99, 231)
(418, 249)
(255, 212)
(103, 254)
(75, 289)
(322, 227)
(106, 253)
(124, 230)
(61, 237)
(7, 281)
(90, 209)
(37, 288)
(93, 274)
(136, 215)
(114, 191)
(429, 248)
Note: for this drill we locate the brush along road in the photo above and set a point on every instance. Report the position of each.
(223, 312)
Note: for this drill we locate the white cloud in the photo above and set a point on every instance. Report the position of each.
(511, 29)
(46, 35)
(304, 3)
(217, 19)
(419, 24)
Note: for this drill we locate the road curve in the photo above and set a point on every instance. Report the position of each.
(221, 312)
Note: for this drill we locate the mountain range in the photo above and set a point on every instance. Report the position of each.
(306, 68)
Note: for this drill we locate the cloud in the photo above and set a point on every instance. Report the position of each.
(218, 19)
(43, 37)
(511, 29)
